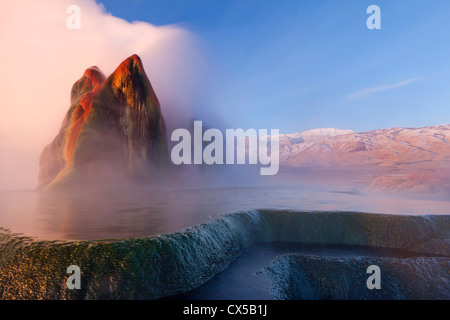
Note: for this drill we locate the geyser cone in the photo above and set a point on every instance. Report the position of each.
(113, 134)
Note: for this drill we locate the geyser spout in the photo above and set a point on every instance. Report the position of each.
(114, 132)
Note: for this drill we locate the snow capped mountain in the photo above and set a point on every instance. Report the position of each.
(325, 132)
(396, 158)
(338, 147)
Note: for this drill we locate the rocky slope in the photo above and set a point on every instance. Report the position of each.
(386, 159)
(305, 277)
(113, 133)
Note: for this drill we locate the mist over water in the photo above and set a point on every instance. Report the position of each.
(83, 216)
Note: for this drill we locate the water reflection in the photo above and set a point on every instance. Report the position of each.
(110, 215)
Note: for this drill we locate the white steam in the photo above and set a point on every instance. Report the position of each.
(40, 59)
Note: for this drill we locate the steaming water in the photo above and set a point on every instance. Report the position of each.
(74, 217)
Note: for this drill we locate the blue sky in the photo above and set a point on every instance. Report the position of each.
(297, 65)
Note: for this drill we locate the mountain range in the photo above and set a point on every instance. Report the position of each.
(400, 159)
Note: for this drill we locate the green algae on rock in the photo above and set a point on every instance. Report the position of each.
(169, 264)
